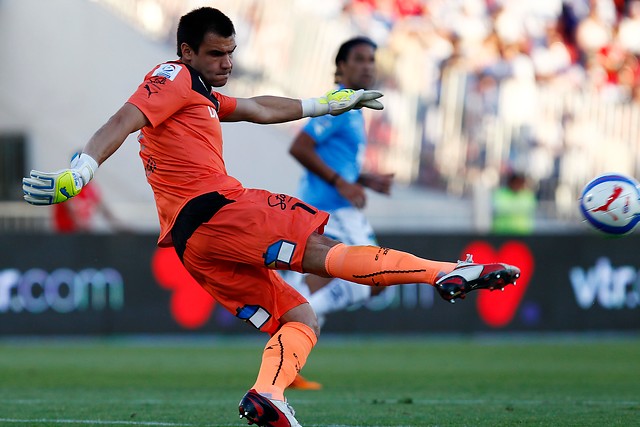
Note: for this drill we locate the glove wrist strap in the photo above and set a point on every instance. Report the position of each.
(312, 107)
(87, 166)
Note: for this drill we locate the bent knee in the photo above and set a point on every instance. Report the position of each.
(315, 254)
(303, 314)
(315, 327)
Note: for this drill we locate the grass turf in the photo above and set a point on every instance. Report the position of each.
(411, 381)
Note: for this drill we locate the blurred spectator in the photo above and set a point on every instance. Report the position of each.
(470, 85)
(592, 34)
(514, 206)
(82, 213)
(553, 57)
(629, 29)
(610, 60)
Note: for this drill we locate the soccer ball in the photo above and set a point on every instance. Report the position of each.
(611, 203)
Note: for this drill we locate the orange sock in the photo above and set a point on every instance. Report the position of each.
(376, 266)
(284, 355)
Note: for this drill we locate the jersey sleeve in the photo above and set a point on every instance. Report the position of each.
(163, 92)
(227, 104)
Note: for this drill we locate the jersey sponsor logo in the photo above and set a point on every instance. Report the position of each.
(282, 202)
(169, 71)
(279, 201)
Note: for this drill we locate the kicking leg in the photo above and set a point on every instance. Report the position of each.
(377, 266)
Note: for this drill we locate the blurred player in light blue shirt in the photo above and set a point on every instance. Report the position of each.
(340, 142)
(332, 149)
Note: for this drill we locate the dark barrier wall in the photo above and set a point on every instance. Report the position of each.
(114, 284)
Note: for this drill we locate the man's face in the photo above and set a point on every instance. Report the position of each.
(359, 70)
(214, 58)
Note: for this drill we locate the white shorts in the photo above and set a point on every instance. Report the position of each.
(350, 226)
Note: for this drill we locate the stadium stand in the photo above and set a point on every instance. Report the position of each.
(473, 88)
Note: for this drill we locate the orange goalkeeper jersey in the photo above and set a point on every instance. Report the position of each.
(181, 149)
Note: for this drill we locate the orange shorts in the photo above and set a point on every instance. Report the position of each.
(233, 255)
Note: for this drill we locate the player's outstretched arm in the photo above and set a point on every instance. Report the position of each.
(275, 109)
(46, 188)
(339, 101)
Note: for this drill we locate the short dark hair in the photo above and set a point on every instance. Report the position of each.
(194, 25)
(345, 48)
(515, 177)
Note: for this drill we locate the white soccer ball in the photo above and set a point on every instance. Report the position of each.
(611, 203)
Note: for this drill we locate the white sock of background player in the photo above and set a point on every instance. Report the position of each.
(337, 295)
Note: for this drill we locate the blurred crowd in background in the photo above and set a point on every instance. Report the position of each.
(474, 89)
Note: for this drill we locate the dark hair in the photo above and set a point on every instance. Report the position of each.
(345, 48)
(516, 178)
(194, 25)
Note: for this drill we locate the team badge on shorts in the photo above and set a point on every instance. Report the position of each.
(253, 314)
(279, 255)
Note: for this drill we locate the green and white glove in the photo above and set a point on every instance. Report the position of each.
(338, 101)
(47, 188)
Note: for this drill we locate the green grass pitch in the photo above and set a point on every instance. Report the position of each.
(368, 381)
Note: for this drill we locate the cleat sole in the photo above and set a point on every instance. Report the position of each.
(491, 281)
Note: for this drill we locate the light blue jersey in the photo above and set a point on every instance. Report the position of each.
(340, 142)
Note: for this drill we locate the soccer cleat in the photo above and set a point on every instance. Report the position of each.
(467, 277)
(265, 412)
(301, 383)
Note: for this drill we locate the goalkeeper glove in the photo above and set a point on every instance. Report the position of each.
(46, 188)
(338, 101)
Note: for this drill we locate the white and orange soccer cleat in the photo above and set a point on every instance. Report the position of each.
(467, 277)
(265, 412)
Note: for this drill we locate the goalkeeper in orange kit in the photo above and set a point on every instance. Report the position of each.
(232, 239)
